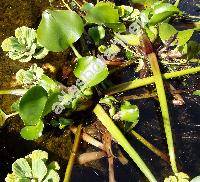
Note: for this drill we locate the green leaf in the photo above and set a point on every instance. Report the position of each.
(59, 29)
(102, 48)
(129, 55)
(48, 84)
(117, 27)
(152, 33)
(196, 179)
(32, 104)
(138, 1)
(112, 51)
(97, 33)
(52, 99)
(109, 100)
(193, 49)
(61, 123)
(161, 12)
(130, 39)
(32, 132)
(30, 77)
(87, 6)
(39, 169)
(164, 7)
(184, 36)
(33, 168)
(24, 45)
(129, 112)
(38, 154)
(102, 13)
(2, 118)
(54, 165)
(15, 106)
(52, 176)
(166, 31)
(144, 16)
(10, 178)
(91, 70)
(21, 168)
(196, 92)
(146, 3)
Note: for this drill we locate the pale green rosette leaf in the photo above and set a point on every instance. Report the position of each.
(34, 168)
(24, 45)
(52, 176)
(39, 169)
(21, 168)
(31, 76)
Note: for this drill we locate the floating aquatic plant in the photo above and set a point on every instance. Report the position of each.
(35, 76)
(24, 45)
(34, 167)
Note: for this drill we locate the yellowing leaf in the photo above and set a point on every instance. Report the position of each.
(166, 31)
(184, 36)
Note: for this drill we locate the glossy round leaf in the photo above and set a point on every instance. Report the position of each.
(162, 11)
(96, 33)
(102, 13)
(91, 70)
(59, 29)
(184, 36)
(32, 132)
(117, 27)
(129, 112)
(166, 31)
(32, 104)
(52, 99)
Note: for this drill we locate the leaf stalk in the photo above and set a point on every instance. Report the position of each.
(120, 138)
(73, 154)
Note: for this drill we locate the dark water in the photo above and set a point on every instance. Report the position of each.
(185, 119)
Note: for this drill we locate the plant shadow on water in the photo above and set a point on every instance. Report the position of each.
(185, 119)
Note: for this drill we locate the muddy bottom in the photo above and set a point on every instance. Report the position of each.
(185, 119)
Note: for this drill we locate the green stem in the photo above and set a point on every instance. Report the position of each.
(150, 146)
(181, 73)
(13, 92)
(177, 3)
(77, 4)
(164, 108)
(66, 5)
(76, 52)
(147, 81)
(12, 114)
(73, 154)
(119, 137)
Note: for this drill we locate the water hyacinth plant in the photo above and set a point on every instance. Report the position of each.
(111, 37)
